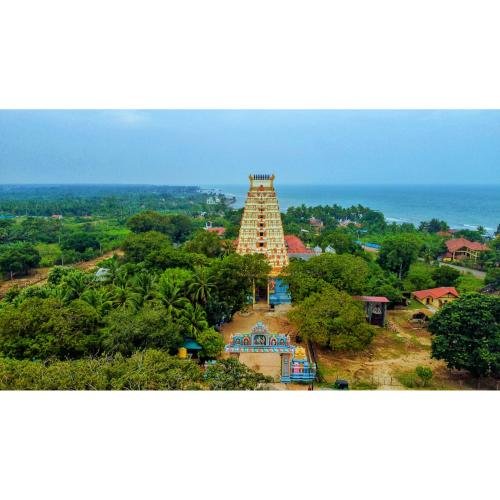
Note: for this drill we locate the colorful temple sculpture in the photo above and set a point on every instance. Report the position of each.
(272, 354)
(261, 232)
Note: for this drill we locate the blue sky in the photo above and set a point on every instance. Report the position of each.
(223, 147)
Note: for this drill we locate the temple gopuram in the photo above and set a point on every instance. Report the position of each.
(261, 232)
(283, 360)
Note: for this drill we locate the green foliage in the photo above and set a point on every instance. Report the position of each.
(467, 283)
(433, 226)
(79, 241)
(128, 331)
(206, 243)
(419, 277)
(424, 373)
(142, 246)
(345, 272)
(466, 334)
(18, 258)
(231, 375)
(46, 328)
(445, 276)
(408, 379)
(50, 254)
(211, 342)
(177, 227)
(492, 278)
(342, 240)
(398, 252)
(333, 319)
(147, 370)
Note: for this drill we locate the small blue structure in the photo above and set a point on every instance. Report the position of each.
(278, 292)
(302, 369)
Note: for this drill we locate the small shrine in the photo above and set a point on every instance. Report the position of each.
(293, 364)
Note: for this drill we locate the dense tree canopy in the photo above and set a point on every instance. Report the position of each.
(18, 258)
(345, 272)
(466, 334)
(398, 252)
(333, 319)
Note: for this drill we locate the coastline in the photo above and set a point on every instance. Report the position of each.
(462, 207)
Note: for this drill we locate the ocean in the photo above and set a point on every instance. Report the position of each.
(459, 205)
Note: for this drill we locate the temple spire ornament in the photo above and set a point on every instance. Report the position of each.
(261, 228)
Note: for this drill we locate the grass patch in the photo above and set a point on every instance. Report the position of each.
(50, 254)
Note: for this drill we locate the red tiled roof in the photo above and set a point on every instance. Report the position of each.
(219, 230)
(370, 298)
(295, 245)
(456, 244)
(435, 293)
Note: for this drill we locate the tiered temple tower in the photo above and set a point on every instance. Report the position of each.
(261, 229)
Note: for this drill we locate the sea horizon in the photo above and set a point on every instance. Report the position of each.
(462, 206)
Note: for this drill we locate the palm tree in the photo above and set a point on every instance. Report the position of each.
(100, 299)
(170, 295)
(202, 285)
(75, 285)
(144, 284)
(125, 297)
(194, 319)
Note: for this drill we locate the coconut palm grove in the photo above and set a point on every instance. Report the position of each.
(170, 287)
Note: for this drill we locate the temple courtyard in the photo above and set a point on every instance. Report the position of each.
(395, 351)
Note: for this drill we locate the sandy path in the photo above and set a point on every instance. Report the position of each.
(39, 275)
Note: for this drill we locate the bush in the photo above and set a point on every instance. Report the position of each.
(424, 373)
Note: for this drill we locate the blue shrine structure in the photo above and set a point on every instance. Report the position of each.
(278, 292)
(294, 365)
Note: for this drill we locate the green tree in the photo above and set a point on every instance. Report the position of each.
(433, 226)
(140, 247)
(150, 220)
(345, 272)
(211, 342)
(231, 375)
(466, 334)
(202, 285)
(342, 240)
(206, 243)
(424, 373)
(128, 331)
(45, 328)
(333, 319)
(492, 278)
(445, 276)
(398, 252)
(18, 258)
(419, 277)
(79, 242)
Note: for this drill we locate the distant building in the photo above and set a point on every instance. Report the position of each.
(317, 224)
(213, 229)
(56, 216)
(461, 248)
(436, 297)
(213, 200)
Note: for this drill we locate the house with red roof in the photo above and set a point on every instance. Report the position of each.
(436, 297)
(461, 248)
(212, 229)
(296, 248)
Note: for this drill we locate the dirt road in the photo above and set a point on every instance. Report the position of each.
(39, 275)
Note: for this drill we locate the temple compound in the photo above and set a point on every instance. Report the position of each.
(261, 232)
(284, 362)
